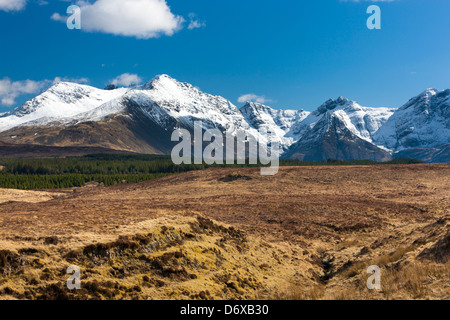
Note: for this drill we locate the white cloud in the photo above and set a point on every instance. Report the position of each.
(126, 80)
(12, 5)
(194, 23)
(11, 90)
(67, 79)
(57, 17)
(143, 19)
(252, 97)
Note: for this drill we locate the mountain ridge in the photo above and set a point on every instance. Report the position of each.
(141, 119)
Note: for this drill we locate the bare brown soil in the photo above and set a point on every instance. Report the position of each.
(306, 233)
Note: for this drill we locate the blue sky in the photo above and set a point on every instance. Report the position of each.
(291, 54)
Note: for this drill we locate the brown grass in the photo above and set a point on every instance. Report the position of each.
(7, 195)
(307, 233)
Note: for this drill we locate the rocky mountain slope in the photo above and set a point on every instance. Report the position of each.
(423, 123)
(340, 129)
(142, 119)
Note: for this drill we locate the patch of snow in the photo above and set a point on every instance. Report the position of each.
(62, 100)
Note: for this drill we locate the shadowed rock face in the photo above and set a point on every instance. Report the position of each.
(432, 155)
(422, 123)
(120, 134)
(142, 118)
(330, 139)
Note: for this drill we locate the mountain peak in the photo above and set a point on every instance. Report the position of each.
(110, 87)
(430, 91)
(163, 77)
(421, 102)
(331, 105)
(255, 106)
(63, 86)
(159, 80)
(166, 103)
(423, 122)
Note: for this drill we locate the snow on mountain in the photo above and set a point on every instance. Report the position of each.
(363, 122)
(62, 100)
(331, 138)
(279, 122)
(168, 103)
(165, 98)
(292, 126)
(187, 103)
(423, 122)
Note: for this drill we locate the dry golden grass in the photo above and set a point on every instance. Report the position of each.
(307, 233)
(7, 195)
(169, 258)
(297, 292)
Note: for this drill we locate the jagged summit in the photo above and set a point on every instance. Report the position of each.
(141, 119)
(331, 105)
(156, 79)
(258, 114)
(423, 122)
(254, 108)
(110, 87)
(255, 105)
(421, 100)
(280, 122)
(61, 100)
(164, 81)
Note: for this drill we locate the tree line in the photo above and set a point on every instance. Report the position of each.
(110, 169)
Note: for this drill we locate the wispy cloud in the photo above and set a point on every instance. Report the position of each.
(12, 5)
(11, 90)
(68, 79)
(126, 79)
(253, 98)
(194, 22)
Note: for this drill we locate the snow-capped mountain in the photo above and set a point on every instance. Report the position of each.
(340, 129)
(61, 100)
(423, 122)
(279, 122)
(133, 119)
(164, 100)
(142, 118)
(186, 104)
(363, 122)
